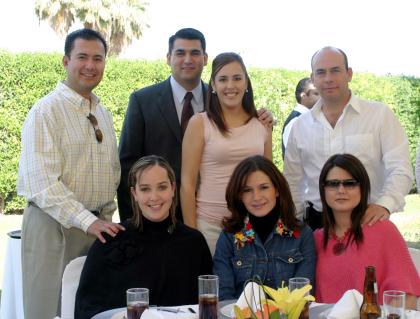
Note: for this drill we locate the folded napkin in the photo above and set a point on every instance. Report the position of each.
(251, 296)
(348, 307)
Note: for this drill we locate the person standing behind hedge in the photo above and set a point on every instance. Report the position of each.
(68, 173)
(341, 122)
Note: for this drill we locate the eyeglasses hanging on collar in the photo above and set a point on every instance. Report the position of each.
(98, 133)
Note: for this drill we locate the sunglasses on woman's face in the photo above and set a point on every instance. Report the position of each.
(335, 183)
(98, 133)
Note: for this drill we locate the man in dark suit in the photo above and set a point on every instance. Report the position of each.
(152, 124)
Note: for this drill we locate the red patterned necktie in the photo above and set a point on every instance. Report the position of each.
(187, 111)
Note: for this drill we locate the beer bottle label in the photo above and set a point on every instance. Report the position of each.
(375, 287)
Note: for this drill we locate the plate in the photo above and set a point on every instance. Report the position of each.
(120, 315)
(227, 310)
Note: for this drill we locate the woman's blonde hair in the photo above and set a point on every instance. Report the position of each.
(135, 173)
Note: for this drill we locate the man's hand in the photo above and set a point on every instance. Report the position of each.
(266, 118)
(374, 213)
(100, 226)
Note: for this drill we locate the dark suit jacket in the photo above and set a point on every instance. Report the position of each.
(151, 127)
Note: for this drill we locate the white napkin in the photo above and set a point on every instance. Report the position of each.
(252, 293)
(348, 307)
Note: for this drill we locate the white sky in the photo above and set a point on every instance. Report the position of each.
(378, 36)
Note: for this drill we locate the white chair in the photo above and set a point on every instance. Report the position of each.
(70, 282)
(415, 256)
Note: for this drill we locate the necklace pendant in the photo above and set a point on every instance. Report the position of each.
(339, 248)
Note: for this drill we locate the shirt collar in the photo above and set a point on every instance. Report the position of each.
(179, 92)
(301, 108)
(76, 99)
(353, 104)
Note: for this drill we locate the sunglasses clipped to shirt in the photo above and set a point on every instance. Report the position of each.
(335, 183)
(98, 133)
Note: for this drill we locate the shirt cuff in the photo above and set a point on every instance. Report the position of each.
(84, 219)
(387, 203)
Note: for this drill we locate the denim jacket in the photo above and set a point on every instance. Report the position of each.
(275, 261)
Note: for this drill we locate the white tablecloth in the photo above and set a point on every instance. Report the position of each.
(11, 293)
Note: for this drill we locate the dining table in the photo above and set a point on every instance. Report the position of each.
(315, 310)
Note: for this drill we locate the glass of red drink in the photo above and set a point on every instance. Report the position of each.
(208, 296)
(137, 302)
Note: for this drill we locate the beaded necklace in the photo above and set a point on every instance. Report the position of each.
(339, 247)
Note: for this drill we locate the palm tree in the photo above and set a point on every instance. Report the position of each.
(119, 21)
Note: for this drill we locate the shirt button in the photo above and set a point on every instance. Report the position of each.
(290, 260)
(239, 263)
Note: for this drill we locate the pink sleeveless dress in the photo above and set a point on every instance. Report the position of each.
(220, 156)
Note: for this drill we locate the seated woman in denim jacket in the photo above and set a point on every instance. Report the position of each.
(263, 237)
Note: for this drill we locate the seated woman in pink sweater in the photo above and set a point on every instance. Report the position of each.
(345, 247)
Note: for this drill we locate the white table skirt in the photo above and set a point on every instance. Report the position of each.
(11, 294)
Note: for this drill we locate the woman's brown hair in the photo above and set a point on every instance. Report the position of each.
(235, 187)
(213, 107)
(355, 168)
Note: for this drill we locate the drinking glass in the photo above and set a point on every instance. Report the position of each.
(394, 304)
(208, 296)
(297, 283)
(137, 302)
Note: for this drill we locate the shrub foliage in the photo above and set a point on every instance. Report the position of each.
(26, 77)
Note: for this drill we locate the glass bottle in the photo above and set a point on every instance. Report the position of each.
(370, 308)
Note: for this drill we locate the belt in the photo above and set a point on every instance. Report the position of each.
(94, 212)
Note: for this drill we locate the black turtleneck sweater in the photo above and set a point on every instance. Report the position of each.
(263, 226)
(163, 258)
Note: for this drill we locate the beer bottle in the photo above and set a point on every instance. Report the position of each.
(370, 308)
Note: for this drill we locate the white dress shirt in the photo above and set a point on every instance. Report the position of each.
(370, 131)
(179, 94)
(302, 110)
(63, 169)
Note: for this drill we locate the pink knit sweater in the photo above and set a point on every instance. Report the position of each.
(382, 247)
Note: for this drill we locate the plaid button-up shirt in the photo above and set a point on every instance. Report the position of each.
(63, 169)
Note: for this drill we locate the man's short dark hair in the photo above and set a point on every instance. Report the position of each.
(85, 34)
(300, 87)
(189, 34)
(346, 62)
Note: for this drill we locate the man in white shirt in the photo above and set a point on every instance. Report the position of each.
(340, 122)
(306, 96)
(68, 172)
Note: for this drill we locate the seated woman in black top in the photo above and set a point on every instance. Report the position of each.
(154, 252)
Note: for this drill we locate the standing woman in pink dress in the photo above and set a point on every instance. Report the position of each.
(345, 247)
(215, 141)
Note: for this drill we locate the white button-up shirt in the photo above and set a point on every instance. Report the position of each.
(368, 130)
(63, 169)
(179, 92)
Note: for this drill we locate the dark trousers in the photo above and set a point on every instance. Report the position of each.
(313, 217)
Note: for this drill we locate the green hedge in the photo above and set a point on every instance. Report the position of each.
(26, 77)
